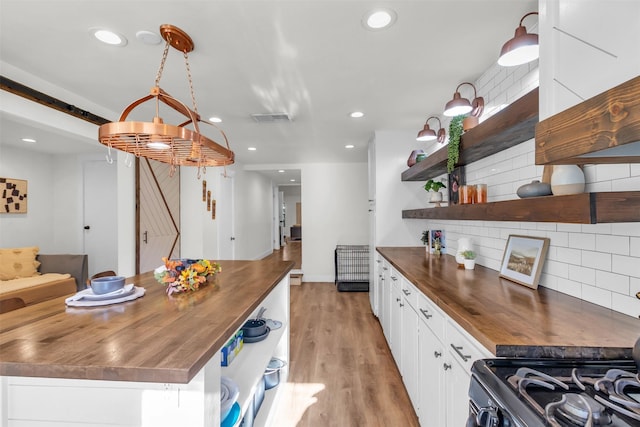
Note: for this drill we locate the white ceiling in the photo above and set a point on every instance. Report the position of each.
(311, 59)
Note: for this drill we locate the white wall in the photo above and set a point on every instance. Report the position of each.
(253, 215)
(334, 211)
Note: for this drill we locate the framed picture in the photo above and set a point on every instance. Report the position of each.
(437, 236)
(523, 259)
(456, 179)
(14, 195)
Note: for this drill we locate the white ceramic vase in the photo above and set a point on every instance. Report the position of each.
(469, 264)
(464, 244)
(567, 179)
(436, 196)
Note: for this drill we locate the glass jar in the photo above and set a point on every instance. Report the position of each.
(481, 193)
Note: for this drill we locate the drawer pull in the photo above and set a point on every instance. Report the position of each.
(457, 349)
(385, 268)
(446, 366)
(397, 299)
(437, 354)
(406, 292)
(401, 305)
(394, 278)
(426, 314)
(378, 261)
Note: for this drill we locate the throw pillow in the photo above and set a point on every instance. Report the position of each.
(16, 263)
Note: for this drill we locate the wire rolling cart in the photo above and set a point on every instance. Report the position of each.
(352, 268)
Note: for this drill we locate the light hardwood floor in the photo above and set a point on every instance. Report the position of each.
(341, 371)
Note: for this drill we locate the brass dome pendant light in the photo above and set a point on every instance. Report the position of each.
(175, 145)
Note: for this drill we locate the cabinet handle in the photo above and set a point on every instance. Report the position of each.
(406, 292)
(401, 305)
(446, 366)
(385, 268)
(397, 299)
(394, 278)
(426, 314)
(457, 349)
(437, 354)
(378, 261)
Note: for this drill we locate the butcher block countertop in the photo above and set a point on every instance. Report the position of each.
(502, 314)
(155, 338)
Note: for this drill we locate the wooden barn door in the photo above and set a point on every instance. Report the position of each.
(157, 214)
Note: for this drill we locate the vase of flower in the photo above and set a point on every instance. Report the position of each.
(186, 275)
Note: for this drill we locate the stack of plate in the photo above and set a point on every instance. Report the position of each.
(229, 408)
(87, 298)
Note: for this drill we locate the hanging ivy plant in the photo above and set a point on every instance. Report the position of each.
(453, 148)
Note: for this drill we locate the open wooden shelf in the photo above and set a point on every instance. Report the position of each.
(511, 126)
(584, 208)
(602, 129)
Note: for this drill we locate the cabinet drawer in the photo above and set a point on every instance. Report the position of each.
(431, 316)
(463, 347)
(394, 277)
(409, 293)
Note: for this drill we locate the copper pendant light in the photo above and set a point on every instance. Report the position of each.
(459, 105)
(522, 48)
(428, 134)
(175, 145)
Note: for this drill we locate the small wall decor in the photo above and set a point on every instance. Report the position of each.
(523, 259)
(204, 190)
(456, 179)
(437, 244)
(208, 200)
(14, 195)
(213, 209)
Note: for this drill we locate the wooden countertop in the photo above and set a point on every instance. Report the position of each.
(155, 338)
(498, 312)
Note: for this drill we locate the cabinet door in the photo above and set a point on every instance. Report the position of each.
(396, 324)
(374, 291)
(410, 351)
(386, 302)
(431, 394)
(457, 385)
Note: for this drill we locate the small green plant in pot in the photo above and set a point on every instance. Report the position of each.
(435, 186)
(469, 259)
(425, 237)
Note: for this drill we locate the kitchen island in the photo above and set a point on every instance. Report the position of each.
(154, 361)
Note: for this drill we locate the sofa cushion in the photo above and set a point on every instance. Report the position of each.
(16, 263)
(7, 286)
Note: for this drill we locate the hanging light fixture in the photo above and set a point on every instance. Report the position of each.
(428, 134)
(459, 105)
(175, 145)
(522, 48)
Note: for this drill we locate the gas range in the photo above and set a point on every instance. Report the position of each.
(554, 393)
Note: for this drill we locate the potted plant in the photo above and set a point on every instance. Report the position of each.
(469, 259)
(435, 186)
(425, 239)
(453, 147)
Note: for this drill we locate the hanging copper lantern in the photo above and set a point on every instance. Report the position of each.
(175, 145)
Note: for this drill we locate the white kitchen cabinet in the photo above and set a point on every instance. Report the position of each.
(376, 286)
(396, 318)
(409, 345)
(433, 353)
(431, 373)
(385, 302)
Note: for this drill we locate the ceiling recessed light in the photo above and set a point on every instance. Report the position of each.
(148, 37)
(379, 19)
(29, 140)
(349, 146)
(252, 148)
(281, 171)
(357, 114)
(215, 119)
(108, 36)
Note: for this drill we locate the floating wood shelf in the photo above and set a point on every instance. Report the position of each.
(511, 126)
(584, 208)
(602, 129)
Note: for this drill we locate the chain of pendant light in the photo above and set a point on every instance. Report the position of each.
(165, 53)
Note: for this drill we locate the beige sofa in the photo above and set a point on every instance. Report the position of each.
(31, 280)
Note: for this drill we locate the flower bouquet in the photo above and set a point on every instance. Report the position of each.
(185, 275)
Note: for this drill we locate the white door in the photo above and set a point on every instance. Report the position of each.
(225, 206)
(100, 213)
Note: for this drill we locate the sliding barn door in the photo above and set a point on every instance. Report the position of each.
(158, 214)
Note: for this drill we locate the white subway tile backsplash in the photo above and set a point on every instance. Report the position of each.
(568, 256)
(635, 169)
(570, 287)
(625, 265)
(626, 228)
(602, 228)
(558, 238)
(609, 172)
(582, 274)
(558, 269)
(625, 304)
(597, 260)
(614, 244)
(627, 184)
(549, 281)
(634, 249)
(582, 241)
(612, 282)
(634, 286)
(577, 228)
(597, 296)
